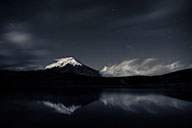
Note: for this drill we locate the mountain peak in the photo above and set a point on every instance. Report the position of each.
(70, 65)
(62, 62)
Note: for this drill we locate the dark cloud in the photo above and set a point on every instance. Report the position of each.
(97, 32)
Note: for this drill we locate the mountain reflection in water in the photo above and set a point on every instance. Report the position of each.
(61, 108)
(107, 108)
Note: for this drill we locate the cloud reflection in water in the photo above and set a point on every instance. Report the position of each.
(150, 103)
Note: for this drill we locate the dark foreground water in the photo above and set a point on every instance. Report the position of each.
(90, 108)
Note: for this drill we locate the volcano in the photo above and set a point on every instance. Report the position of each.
(71, 65)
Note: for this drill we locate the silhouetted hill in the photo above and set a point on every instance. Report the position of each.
(54, 79)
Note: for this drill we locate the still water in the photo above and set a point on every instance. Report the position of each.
(90, 108)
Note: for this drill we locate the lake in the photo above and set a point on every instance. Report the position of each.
(95, 108)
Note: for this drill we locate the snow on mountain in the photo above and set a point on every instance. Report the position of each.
(62, 62)
(61, 108)
(70, 65)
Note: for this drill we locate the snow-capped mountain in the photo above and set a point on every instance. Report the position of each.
(70, 65)
(62, 62)
(61, 108)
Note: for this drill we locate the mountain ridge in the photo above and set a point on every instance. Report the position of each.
(53, 79)
(71, 65)
(73, 74)
(63, 61)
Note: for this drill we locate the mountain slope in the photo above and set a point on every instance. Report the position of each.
(63, 62)
(70, 65)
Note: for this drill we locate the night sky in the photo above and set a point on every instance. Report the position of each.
(96, 32)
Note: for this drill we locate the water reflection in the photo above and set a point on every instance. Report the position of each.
(117, 108)
(136, 102)
(151, 103)
(61, 108)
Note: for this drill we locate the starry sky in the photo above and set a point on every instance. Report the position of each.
(96, 32)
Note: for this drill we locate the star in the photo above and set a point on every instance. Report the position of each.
(11, 24)
(112, 9)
